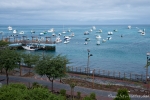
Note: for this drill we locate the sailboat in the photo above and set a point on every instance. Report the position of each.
(63, 30)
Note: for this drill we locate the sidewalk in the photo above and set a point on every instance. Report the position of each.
(100, 94)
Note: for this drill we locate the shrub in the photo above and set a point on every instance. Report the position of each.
(78, 95)
(87, 98)
(63, 92)
(122, 94)
(93, 96)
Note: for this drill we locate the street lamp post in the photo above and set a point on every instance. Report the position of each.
(148, 61)
(88, 59)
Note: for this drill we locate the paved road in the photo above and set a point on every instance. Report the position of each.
(101, 95)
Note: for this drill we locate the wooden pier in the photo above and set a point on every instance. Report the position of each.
(24, 40)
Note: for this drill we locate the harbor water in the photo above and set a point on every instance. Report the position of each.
(124, 52)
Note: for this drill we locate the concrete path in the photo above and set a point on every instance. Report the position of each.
(101, 95)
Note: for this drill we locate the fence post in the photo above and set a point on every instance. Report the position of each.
(124, 75)
(72, 68)
(130, 76)
(119, 74)
(67, 68)
(76, 69)
(108, 73)
(99, 72)
(114, 74)
(80, 69)
(103, 72)
(141, 77)
(135, 77)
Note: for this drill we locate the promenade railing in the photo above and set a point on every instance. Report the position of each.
(107, 74)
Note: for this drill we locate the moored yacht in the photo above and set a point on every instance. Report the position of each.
(98, 42)
(98, 36)
(22, 32)
(86, 33)
(14, 31)
(32, 31)
(85, 43)
(103, 40)
(66, 41)
(109, 38)
(142, 33)
(9, 28)
(51, 30)
(72, 34)
(110, 33)
(94, 28)
(129, 27)
(30, 47)
(58, 40)
(99, 31)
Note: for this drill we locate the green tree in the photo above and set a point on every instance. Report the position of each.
(122, 94)
(8, 60)
(72, 86)
(3, 44)
(52, 67)
(30, 60)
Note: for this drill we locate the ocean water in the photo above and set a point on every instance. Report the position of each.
(123, 54)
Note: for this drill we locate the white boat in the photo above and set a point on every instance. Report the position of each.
(14, 31)
(66, 41)
(98, 36)
(86, 33)
(85, 43)
(53, 34)
(115, 30)
(41, 34)
(94, 28)
(98, 42)
(51, 30)
(90, 30)
(129, 27)
(99, 31)
(72, 34)
(9, 28)
(69, 30)
(109, 38)
(22, 32)
(1, 32)
(67, 38)
(59, 33)
(58, 40)
(110, 33)
(63, 30)
(142, 33)
(103, 40)
(32, 31)
(30, 47)
(87, 39)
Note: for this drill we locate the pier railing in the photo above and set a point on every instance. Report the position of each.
(107, 74)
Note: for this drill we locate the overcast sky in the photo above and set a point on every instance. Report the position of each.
(74, 12)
